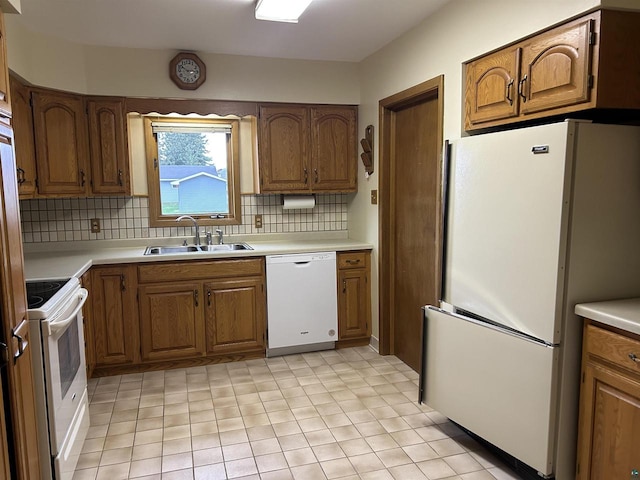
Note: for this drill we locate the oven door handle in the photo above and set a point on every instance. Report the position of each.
(59, 325)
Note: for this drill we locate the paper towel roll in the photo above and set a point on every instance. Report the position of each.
(291, 202)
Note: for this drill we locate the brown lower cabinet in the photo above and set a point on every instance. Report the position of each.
(163, 314)
(609, 425)
(354, 298)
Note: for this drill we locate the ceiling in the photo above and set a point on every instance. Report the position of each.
(341, 30)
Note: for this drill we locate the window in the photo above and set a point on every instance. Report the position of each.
(192, 169)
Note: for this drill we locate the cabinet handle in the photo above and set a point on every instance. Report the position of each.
(195, 296)
(353, 262)
(634, 357)
(306, 176)
(22, 346)
(208, 298)
(509, 97)
(344, 286)
(120, 181)
(123, 285)
(21, 178)
(82, 178)
(521, 89)
(634, 474)
(315, 172)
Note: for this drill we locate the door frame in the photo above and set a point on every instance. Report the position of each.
(429, 90)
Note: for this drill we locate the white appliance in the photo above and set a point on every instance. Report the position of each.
(302, 303)
(62, 407)
(538, 219)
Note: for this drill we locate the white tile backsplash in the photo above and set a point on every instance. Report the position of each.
(68, 219)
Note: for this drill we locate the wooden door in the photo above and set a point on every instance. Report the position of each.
(491, 87)
(171, 321)
(13, 315)
(61, 139)
(410, 199)
(353, 304)
(235, 315)
(610, 425)
(4, 445)
(108, 143)
(113, 315)
(556, 67)
(5, 99)
(22, 122)
(284, 138)
(334, 149)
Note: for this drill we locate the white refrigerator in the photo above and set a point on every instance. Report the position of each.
(536, 220)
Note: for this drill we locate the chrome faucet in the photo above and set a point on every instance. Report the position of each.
(208, 237)
(219, 233)
(196, 238)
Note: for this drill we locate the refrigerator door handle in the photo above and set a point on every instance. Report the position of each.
(444, 224)
(423, 357)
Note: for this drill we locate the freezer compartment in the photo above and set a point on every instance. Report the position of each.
(498, 385)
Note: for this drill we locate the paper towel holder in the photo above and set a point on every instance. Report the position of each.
(367, 147)
(310, 196)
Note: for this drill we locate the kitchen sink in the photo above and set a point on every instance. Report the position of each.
(168, 250)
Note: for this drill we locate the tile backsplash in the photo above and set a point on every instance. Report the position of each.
(68, 219)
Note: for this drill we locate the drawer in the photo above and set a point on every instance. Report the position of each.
(613, 347)
(174, 271)
(352, 260)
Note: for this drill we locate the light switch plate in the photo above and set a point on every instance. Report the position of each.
(257, 220)
(95, 225)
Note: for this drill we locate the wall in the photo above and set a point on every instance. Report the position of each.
(459, 31)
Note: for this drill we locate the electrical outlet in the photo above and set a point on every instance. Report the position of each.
(257, 220)
(95, 225)
(374, 197)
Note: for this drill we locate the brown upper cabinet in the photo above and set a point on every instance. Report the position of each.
(583, 64)
(22, 122)
(307, 149)
(73, 145)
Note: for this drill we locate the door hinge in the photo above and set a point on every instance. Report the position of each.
(592, 38)
(590, 81)
(155, 163)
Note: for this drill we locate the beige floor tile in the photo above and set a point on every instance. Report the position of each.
(292, 442)
(395, 424)
(366, 463)
(148, 436)
(436, 469)
(185, 474)
(179, 445)
(329, 451)
(393, 457)
(286, 428)
(266, 446)
(308, 472)
(227, 412)
(445, 447)
(205, 441)
(230, 424)
(88, 460)
(336, 420)
(176, 409)
(270, 462)
(118, 455)
(377, 475)
(234, 436)
(462, 463)
(178, 461)
(261, 419)
(420, 452)
(277, 475)
(203, 428)
(143, 468)
(119, 471)
(403, 472)
(300, 456)
(319, 437)
(210, 472)
(207, 456)
(337, 468)
(260, 432)
(381, 442)
(119, 441)
(357, 446)
(180, 431)
(85, 474)
(176, 420)
(237, 451)
(345, 433)
(241, 468)
(143, 452)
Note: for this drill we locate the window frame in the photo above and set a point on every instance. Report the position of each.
(156, 218)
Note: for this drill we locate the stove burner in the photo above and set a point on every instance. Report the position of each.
(38, 293)
(34, 301)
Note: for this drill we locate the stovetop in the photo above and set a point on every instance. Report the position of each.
(39, 292)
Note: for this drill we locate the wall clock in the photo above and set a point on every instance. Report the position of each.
(187, 71)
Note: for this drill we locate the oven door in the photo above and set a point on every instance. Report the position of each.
(64, 362)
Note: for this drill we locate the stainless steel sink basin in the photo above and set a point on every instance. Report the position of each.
(168, 250)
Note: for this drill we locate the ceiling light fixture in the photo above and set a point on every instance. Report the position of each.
(281, 10)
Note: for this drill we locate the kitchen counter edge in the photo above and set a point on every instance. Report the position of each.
(41, 265)
(622, 314)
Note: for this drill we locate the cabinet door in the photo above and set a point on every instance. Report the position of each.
(62, 149)
(113, 316)
(108, 144)
(5, 101)
(353, 304)
(235, 315)
(491, 87)
(556, 68)
(334, 149)
(284, 149)
(609, 424)
(13, 320)
(171, 323)
(22, 122)
(87, 314)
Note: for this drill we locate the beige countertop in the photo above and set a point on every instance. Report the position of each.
(623, 314)
(67, 259)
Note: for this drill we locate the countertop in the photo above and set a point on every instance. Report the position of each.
(623, 314)
(67, 259)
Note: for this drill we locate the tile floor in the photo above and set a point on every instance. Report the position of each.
(348, 414)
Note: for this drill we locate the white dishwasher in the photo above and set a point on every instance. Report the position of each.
(302, 303)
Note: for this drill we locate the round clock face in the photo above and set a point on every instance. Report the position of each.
(187, 71)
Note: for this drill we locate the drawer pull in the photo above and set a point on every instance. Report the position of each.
(634, 357)
(353, 262)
